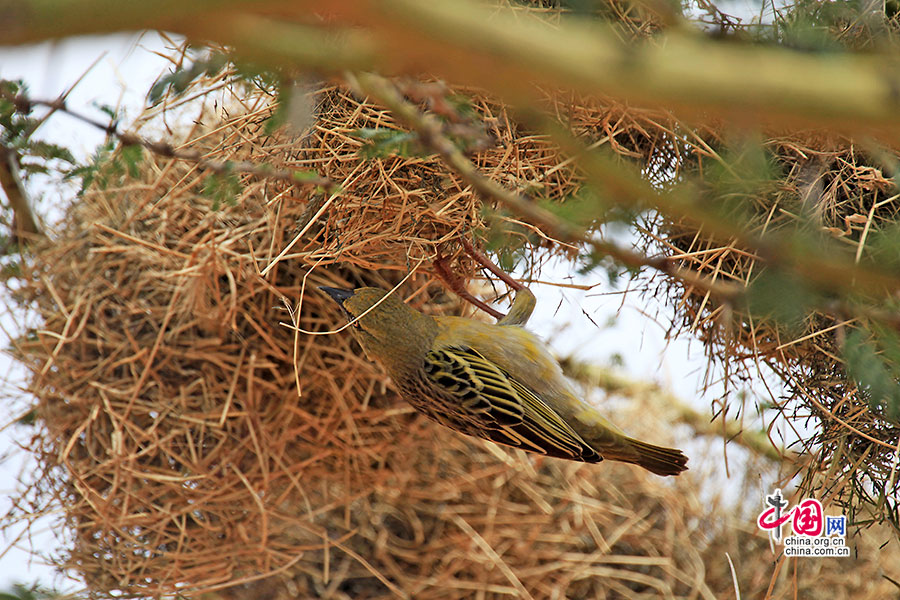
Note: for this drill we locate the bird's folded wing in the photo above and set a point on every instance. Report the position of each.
(503, 409)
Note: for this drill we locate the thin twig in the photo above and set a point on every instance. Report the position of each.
(24, 105)
(459, 287)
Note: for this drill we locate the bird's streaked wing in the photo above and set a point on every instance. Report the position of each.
(493, 405)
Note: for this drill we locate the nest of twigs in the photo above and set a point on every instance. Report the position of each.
(817, 184)
(196, 441)
(833, 188)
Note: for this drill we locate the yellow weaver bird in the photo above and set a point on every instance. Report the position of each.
(496, 382)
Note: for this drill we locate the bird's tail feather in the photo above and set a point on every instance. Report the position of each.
(659, 460)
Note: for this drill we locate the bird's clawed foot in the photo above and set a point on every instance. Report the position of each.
(524, 302)
(452, 280)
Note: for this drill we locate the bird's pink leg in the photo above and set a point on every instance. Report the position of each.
(485, 262)
(453, 281)
(524, 303)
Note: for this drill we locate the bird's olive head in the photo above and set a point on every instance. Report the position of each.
(391, 330)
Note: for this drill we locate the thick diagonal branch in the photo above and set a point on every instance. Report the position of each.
(429, 130)
(26, 226)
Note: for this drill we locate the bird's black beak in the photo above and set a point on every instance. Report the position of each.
(337, 295)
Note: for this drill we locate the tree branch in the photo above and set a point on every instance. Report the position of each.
(166, 150)
(26, 226)
(472, 43)
(429, 130)
(658, 399)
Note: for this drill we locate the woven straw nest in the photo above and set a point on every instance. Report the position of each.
(816, 181)
(819, 182)
(834, 189)
(197, 443)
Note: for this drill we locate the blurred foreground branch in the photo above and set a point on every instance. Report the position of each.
(474, 43)
(26, 225)
(429, 131)
(661, 401)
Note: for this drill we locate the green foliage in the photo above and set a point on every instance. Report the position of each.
(506, 241)
(47, 152)
(35, 591)
(91, 171)
(203, 62)
(616, 360)
(827, 26)
(11, 266)
(222, 188)
(305, 176)
(462, 106)
(873, 361)
(383, 142)
(279, 116)
(108, 166)
(179, 80)
(883, 247)
(270, 80)
(131, 157)
(108, 110)
(16, 133)
(590, 209)
(782, 297)
(593, 260)
(29, 418)
(15, 123)
(17, 128)
(744, 170)
(460, 122)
